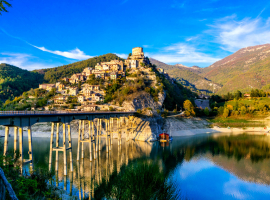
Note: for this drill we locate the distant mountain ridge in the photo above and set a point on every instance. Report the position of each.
(188, 76)
(246, 69)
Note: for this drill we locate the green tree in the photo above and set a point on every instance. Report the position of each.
(189, 108)
(206, 111)
(226, 112)
(243, 110)
(3, 5)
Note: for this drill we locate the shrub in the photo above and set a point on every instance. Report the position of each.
(139, 111)
(243, 110)
(206, 111)
(189, 108)
(158, 111)
(111, 108)
(226, 112)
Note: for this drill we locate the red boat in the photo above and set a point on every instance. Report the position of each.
(164, 137)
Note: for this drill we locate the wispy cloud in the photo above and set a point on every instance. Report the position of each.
(147, 46)
(122, 55)
(233, 34)
(76, 54)
(182, 53)
(23, 61)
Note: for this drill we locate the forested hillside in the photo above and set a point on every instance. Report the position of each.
(52, 75)
(188, 76)
(245, 69)
(14, 81)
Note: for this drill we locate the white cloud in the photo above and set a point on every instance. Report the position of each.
(22, 60)
(233, 34)
(182, 53)
(76, 54)
(147, 46)
(122, 55)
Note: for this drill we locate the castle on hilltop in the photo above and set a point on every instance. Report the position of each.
(136, 59)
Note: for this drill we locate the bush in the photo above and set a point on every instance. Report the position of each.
(243, 110)
(206, 111)
(226, 112)
(158, 111)
(174, 111)
(111, 108)
(189, 108)
(139, 111)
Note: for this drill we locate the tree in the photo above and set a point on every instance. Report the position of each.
(243, 110)
(189, 108)
(226, 112)
(206, 111)
(3, 5)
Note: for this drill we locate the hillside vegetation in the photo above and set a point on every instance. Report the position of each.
(245, 69)
(188, 76)
(14, 81)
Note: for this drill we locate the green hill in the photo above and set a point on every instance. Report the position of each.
(245, 69)
(14, 81)
(188, 76)
(52, 75)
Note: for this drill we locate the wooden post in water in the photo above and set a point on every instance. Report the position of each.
(90, 140)
(30, 152)
(70, 148)
(64, 149)
(15, 140)
(99, 140)
(118, 131)
(6, 140)
(106, 125)
(79, 141)
(57, 146)
(83, 138)
(51, 147)
(21, 147)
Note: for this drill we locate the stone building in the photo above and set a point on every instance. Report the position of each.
(137, 57)
(72, 91)
(114, 75)
(81, 98)
(87, 71)
(75, 78)
(113, 65)
(60, 99)
(47, 87)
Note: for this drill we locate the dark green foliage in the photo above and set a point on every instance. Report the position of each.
(139, 180)
(14, 81)
(53, 75)
(28, 186)
(3, 5)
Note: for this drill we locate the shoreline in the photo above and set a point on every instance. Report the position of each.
(181, 133)
(191, 132)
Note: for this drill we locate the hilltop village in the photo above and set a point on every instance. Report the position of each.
(86, 91)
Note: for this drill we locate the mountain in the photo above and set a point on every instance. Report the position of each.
(188, 76)
(245, 69)
(14, 81)
(52, 75)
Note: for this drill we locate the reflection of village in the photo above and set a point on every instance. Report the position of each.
(76, 89)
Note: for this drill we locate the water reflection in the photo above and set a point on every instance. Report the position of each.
(191, 162)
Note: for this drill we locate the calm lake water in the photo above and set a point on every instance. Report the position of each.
(202, 167)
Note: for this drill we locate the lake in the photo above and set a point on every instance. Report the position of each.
(200, 167)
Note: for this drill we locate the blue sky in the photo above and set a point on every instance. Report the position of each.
(42, 34)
